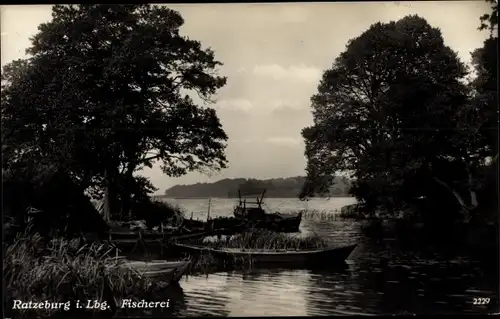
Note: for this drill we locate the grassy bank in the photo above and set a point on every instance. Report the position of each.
(63, 271)
(262, 239)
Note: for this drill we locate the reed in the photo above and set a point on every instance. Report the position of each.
(63, 270)
(203, 264)
(321, 215)
(260, 239)
(351, 214)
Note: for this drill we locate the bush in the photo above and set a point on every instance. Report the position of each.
(63, 207)
(156, 212)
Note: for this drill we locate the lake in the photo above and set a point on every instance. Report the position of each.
(379, 278)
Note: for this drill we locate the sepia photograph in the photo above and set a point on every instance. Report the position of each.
(250, 159)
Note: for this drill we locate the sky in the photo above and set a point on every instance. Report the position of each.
(274, 55)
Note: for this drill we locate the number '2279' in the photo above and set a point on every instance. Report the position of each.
(480, 301)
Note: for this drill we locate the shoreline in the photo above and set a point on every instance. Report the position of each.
(267, 197)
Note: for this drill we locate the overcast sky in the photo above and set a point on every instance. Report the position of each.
(273, 55)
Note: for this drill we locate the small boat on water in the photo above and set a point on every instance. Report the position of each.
(170, 270)
(279, 222)
(258, 218)
(226, 225)
(132, 238)
(130, 230)
(193, 224)
(332, 255)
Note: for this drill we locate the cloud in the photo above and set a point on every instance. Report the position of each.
(235, 104)
(245, 140)
(263, 107)
(276, 140)
(299, 72)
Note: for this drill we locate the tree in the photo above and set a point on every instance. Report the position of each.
(490, 20)
(104, 94)
(485, 100)
(387, 112)
(485, 83)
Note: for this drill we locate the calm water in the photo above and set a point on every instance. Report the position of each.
(378, 278)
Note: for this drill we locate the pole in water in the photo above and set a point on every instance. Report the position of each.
(209, 203)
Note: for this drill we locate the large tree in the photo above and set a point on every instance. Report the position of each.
(389, 111)
(485, 100)
(105, 92)
(485, 83)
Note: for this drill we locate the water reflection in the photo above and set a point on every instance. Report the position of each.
(381, 288)
(207, 295)
(375, 280)
(335, 293)
(379, 278)
(257, 292)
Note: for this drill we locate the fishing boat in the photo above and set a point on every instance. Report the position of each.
(224, 224)
(279, 222)
(258, 218)
(129, 234)
(332, 255)
(134, 236)
(147, 244)
(171, 271)
(193, 224)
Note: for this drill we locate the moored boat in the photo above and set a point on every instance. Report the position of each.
(171, 271)
(129, 234)
(331, 255)
(256, 217)
(132, 239)
(280, 222)
(193, 224)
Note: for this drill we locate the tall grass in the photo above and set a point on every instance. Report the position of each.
(320, 215)
(62, 271)
(261, 239)
(323, 215)
(203, 264)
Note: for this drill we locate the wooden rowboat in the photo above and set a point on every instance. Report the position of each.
(325, 256)
(136, 238)
(155, 264)
(171, 271)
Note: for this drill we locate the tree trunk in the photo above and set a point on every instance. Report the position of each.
(126, 193)
(473, 196)
(110, 195)
(106, 207)
(455, 193)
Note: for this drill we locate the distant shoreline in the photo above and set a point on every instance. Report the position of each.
(289, 187)
(325, 198)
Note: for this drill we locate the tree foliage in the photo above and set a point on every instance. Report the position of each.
(485, 84)
(394, 110)
(105, 92)
(490, 20)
